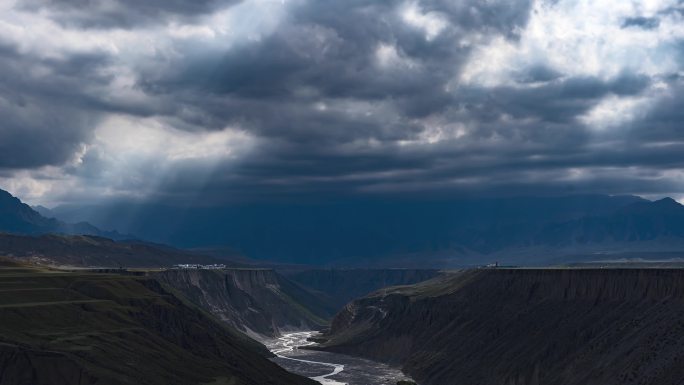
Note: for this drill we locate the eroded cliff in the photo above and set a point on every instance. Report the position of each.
(260, 302)
(525, 327)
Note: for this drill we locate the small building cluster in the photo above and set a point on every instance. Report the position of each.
(216, 266)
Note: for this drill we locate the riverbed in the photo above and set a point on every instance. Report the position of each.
(329, 368)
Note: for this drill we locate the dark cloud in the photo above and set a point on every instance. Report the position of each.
(660, 128)
(327, 54)
(46, 105)
(641, 22)
(533, 151)
(557, 102)
(122, 13)
(673, 10)
(313, 153)
(538, 73)
(342, 99)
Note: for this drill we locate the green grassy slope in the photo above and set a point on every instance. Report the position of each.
(86, 250)
(80, 328)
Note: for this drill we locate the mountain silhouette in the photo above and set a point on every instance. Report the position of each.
(17, 217)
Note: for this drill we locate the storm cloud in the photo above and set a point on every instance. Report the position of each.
(214, 101)
(122, 13)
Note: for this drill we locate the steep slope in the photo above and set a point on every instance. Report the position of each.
(83, 250)
(19, 218)
(44, 211)
(78, 329)
(525, 327)
(260, 302)
(342, 285)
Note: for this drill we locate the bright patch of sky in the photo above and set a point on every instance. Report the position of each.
(583, 38)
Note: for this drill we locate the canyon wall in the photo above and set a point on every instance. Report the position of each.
(525, 327)
(259, 302)
(343, 285)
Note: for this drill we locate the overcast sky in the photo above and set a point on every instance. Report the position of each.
(221, 100)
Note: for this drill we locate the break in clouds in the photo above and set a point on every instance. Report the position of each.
(260, 99)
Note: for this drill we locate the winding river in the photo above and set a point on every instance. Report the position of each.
(329, 368)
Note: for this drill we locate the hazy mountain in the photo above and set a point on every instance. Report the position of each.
(17, 217)
(353, 232)
(641, 221)
(44, 211)
(521, 230)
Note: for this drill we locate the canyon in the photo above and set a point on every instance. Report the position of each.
(264, 303)
(514, 326)
(83, 309)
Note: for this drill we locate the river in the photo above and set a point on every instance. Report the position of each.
(329, 368)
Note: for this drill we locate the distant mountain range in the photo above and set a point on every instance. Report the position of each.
(17, 217)
(640, 221)
(520, 230)
(460, 232)
(25, 234)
